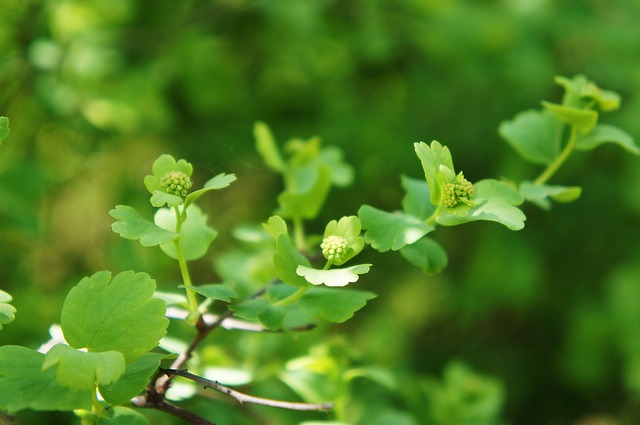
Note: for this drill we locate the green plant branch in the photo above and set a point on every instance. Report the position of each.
(553, 167)
(182, 263)
(298, 231)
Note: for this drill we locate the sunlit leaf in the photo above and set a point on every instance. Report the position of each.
(267, 148)
(220, 181)
(535, 135)
(195, 234)
(286, 261)
(131, 225)
(583, 119)
(333, 277)
(261, 310)
(387, 231)
(80, 370)
(120, 415)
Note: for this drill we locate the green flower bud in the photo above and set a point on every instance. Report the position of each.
(461, 190)
(176, 183)
(334, 247)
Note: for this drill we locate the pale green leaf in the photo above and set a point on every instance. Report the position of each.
(348, 228)
(541, 194)
(24, 385)
(426, 254)
(535, 135)
(220, 181)
(215, 291)
(416, 199)
(341, 172)
(134, 380)
(334, 305)
(605, 133)
(120, 415)
(583, 119)
(80, 370)
(7, 311)
(162, 165)
(267, 148)
(195, 235)
(103, 314)
(275, 226)
(306, 202)
(387, 231)
(433, 158)
(333, 277)
(494, 201)
(131, 225)
(161, 198)
(286, 260)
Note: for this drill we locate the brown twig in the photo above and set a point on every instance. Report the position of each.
(153, 400)
(246, 398)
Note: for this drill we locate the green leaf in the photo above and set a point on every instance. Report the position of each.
(275, 226)
(433, 158)
(131, 225)
(416, 198)
(7, 311)
(104, 314)
(306, 203)
(604, 133)
(80, 370)
(341, 172)
(348, 228)
(215, 291)
(24, 385)
(540, 194)
(195, 234)
(220, 181)
(162, 165)
(494, 201)
(286, 261)
(120, 415)
(387, 231)
(160, 199)
(134, 380)
(333, 277)
(535, 135)
(583, 119)
(334, 305)
(260, 309)
(4, 128)
(426, 254)
(267, 148)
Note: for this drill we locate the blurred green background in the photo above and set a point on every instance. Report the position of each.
(97, 89)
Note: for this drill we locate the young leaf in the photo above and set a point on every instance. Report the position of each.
(131, 225)
(416, 198)
(333, 277)
(260, 309)
(7, 311)
(540, 194)
(347, 230)
(341, 172)
(218, 291)
(80, 370)
(604, 133)
(275, 226)
(267, 148)
(426, 254)
(4, 128)
(195, 234)
(433, 158)
(494, 201)
(120, 415)
(103, 314)
(306, 203)
(286, 260)
(160, 199)
(25, 385)
(583, 119)
(334, 305)
(161, 166)
(220, 181)
(387, 231)
(134, 380)
(535, 135)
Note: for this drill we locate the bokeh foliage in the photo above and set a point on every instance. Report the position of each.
(546, 319)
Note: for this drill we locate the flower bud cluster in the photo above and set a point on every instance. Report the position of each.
(461, 190)
(334, 247)
(176, 183)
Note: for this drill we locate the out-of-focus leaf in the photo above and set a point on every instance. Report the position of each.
(535, 135)
(120, 415)
(416, 199)
(583, 119)
(261, 310)
(605, 133)
(334, 305)
(214, 291)
(306, 204)
(131, 225)
(393, 231)
(426, 254)
(267, 148)
(80, 370)
(7, 311)
(195, 235)
(540, 194)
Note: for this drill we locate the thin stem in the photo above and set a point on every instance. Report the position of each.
(95, 403)
(182, 263)
(560, 159)
(245, 398)
(292, 298)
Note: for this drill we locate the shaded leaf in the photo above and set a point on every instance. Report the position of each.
(80, 370)
(535, 135)
(605, 133)
(7, 311)
(583, 119)
(104, 314)
(416, 199)
(275, 226)
(267, 148)
(131, 225)
(540, 194)
(120, 415)
(426, 254)
(387, 231)
(134, 380)
(215, 291)
(433, 158)
(334, 305)
(24, 384)
(286, 261)
(261, 310)
(341, 172)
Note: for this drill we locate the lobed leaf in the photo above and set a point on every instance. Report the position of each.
(605, 133)
(134, 380)
(261, 310)
(195, 235)
(535, 135)
(7, 311)
(393, 231)
(286, 261)
(275, 226)
(80, 370)
(341, 172)
(120, 415)
(416, 198)
(306, 202)
(334, 305)
(540, 194)
(119, 314)
(426, 254)
(131, 225)
(25, 385)
(333, 277)
(219, 181)
(583, 119)
(433, 158)
(215, 291)
(494, 201)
